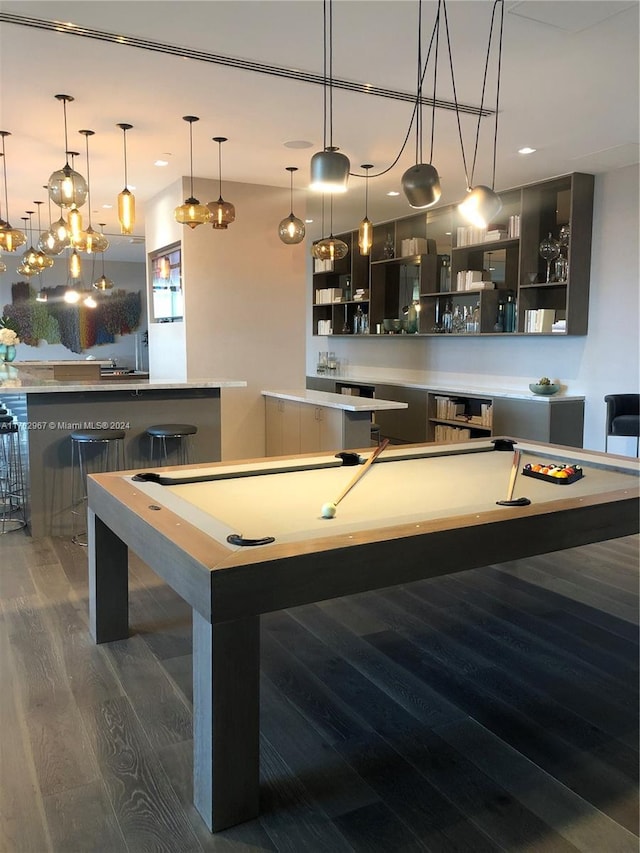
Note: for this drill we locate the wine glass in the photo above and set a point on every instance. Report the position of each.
(549, 249)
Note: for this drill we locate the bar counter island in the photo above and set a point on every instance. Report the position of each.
(49, 410)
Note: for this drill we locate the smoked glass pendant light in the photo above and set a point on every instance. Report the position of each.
(67, 187)
(126, 199)
(10, 238)
(365, 231)
(102, 283)
(291, 230)
(30, 257)
(223, 213)
(25, 269)
(42, 259)
(329, 248)
(482, 203)
(421, 182)
(89, 238)
(191, 212)
(49, 241)
(329, 168)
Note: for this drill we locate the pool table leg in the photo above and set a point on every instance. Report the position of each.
(226, 720)
(108, 582)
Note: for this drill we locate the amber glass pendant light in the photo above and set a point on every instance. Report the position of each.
(102, 283)
(223, 213)
(10, 238)
(67, 187)
(365, 231)
(291, 230)
(191, 212)
(329, 248)
(126, 199)
(74, 219)
(90, 241)
(41, 259)
(25, 269)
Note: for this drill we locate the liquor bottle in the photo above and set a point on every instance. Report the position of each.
(475, 318)
(388, 250)
(447, 318)
(499, 324)
(510, 314)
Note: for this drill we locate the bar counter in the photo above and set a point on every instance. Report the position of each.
(50, 410)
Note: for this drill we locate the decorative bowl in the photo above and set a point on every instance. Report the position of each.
(392, 325)
(545, 390)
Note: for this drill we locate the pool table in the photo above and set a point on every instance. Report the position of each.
(419, 511)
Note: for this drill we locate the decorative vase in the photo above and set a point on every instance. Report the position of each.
(7, 352)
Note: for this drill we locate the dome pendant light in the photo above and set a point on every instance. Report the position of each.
(483, 204)
(421, 182)
(191, 213)
(10, 238)
(67, 188)
(30, 257)
(26, 269)
(329, 168)
(223, 213)
(365, 231)
(126, 199)
(291, 230)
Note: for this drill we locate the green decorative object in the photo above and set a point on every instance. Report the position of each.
(545, 389)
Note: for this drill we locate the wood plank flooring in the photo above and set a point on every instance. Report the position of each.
(493, 710)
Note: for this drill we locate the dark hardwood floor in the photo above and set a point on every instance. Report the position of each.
(490, 710)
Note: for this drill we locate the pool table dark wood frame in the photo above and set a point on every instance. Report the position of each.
(228, 590)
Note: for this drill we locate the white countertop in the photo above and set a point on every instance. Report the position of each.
(347, 402)
(448, 388)
(18, 377)
(76, 362)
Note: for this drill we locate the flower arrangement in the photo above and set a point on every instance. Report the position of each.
(8, 336)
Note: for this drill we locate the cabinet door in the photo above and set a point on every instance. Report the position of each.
(407, 425)
(309, 428)
(331, 430)
(282, 427)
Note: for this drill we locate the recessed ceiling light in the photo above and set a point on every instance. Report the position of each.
(308, 221)
(526, 150)
(161, 163)
(393, 193)
(107, 206)
(298, 143)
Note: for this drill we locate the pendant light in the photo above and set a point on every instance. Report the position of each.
(67, 187)
(10, 238)
(483, 204)
(126, 199)
(329, 168)
(102, 283)
(223, 213)
(49, 241)
(191, 213)
(291, 230)
(42, 259)
(74, 219)
(421, 182)
(90, 241)
(329, 248)
(365, 231)
(30, 257)
(75, 264)
(25, 269)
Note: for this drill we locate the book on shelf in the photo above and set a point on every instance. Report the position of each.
(452, 434)
(539, 320)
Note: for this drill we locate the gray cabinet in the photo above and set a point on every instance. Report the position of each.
(553, 421)
(403, 425)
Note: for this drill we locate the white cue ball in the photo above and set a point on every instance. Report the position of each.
(328, 510)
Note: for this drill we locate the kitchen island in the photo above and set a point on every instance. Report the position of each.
(50, 410)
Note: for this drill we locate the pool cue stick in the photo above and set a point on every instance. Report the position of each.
(360, 474)
(514, 474)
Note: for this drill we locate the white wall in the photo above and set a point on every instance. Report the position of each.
(604, 361)
(125, 276)
(245, 298)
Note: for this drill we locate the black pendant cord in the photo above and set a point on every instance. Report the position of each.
(66, 143)
(330, 73)
(495, 132)
(484, 84)
(324, 75)
(87, 134)
(191, 157)
(124, 147)
(220, 169)
(4, 173)
(419, 89)
(435, 84)
(455, 95)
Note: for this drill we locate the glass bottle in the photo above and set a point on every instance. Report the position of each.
(476, 318)
(447, 318)
(499, 324)
(389, 250)
(357, 321)
(445, 274)
(510, 314)
(457, 321)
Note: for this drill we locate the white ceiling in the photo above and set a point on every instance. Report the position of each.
(569, 88)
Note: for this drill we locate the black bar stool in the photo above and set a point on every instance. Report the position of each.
(178, 436)
(12, 480)
(93, 451)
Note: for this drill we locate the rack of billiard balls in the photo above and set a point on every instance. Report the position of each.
(561, 475)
